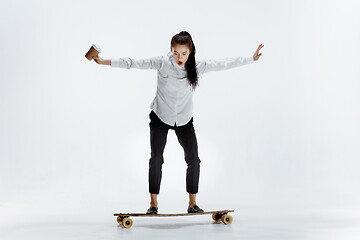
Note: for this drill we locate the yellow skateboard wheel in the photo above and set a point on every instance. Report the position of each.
(127, 222)
(119, 220)
(226, 219)
(215, 218)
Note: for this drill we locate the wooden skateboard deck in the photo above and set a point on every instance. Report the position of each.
(221, 215)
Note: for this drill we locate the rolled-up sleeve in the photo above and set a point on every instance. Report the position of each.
(204, 66)
(127, 62)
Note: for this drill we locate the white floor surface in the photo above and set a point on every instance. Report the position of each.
(253, 222)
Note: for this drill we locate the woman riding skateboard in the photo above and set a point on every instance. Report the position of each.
(172, 107)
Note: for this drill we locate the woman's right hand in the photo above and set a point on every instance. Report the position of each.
(98, 59)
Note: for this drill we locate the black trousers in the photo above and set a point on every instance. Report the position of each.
(187, 139)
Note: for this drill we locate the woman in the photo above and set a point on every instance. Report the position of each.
(177, 78)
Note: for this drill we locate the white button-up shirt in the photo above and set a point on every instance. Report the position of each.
(173, 102)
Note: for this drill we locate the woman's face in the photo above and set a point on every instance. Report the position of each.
(181, 54)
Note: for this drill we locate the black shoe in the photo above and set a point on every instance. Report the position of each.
(195, 209)
(152, 210)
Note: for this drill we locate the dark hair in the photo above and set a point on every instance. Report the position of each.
(184, 38)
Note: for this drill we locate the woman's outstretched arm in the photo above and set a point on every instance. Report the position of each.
(126, 62)
(205, 66)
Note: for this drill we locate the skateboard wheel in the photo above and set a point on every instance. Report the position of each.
(226, 219)
(215, 217)
(127, 222)
(119, 220)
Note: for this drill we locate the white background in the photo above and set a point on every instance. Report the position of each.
(74, 135)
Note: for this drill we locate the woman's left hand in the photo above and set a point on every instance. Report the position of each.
(256, 54)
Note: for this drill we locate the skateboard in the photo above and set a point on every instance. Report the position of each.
(124, 218)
